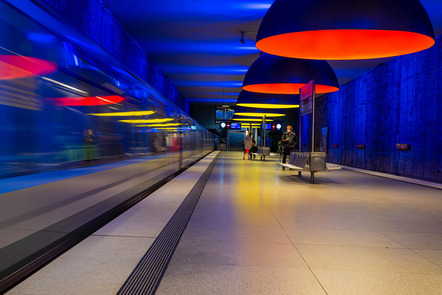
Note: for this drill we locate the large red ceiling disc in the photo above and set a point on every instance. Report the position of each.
(344, 29)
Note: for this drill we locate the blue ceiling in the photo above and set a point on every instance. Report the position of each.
(197, 42)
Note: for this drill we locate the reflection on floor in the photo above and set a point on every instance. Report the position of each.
(260, 231)
(256, 230)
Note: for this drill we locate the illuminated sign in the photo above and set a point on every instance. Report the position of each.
(235, 125)
(306, 98)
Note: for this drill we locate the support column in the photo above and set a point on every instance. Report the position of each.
(263, 140)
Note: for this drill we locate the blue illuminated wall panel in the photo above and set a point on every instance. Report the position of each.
(94, 19)
(398, 102)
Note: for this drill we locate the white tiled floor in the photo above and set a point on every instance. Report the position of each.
(259, 231)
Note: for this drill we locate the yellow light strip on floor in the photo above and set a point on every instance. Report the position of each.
(123, 114)
(146, 121)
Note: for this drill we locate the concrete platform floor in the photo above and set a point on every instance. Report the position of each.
(256, 230)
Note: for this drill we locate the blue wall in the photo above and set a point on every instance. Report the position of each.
(95, 20)
(398, 102)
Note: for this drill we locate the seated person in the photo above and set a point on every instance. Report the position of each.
(253, 149)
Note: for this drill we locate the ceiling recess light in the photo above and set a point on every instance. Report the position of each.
(269, 101)
(123, 114)
(246, 119)
(162, 125)
(254, 112)
(282, 75)
(146, 121)
(345, 29)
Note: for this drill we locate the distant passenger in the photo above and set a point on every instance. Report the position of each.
(248, 143)
(253, 149)
(90, 141)
(288, 142)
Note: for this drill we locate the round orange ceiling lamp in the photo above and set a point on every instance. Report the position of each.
(273, 74)
(345, 29)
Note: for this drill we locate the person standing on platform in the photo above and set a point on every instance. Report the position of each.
(288, 142)
(248, 144)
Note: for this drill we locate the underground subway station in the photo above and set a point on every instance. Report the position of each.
(248, 147)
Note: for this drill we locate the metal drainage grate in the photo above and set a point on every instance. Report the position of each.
(147, 275)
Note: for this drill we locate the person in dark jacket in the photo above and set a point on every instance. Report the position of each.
(288, 142)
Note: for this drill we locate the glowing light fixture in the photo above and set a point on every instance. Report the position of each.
(269, 101)
(17, 66)
(282, 75)
(167, 128)
(88, 101)
(20, 57)
(251, 120)
(245, 125)
(253, 112)
(160, 125)
(123, 114)
(146, 121)
(345, 29)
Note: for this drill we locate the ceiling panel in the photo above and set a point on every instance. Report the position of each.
(197, 42)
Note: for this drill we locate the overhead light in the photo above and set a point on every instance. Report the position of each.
(246, 119)
(345, 29)
(245, 125)
(253, 112)
(88, 101)
(160, 125)
(167, 128)
(282, 75)
(146, 121)
(125, 114)
(18, 66)
(269, 101)
(22, 60)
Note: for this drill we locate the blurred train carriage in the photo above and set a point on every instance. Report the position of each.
(66, 103)
(60, 106)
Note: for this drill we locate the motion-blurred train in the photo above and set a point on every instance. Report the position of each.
(79, 134)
